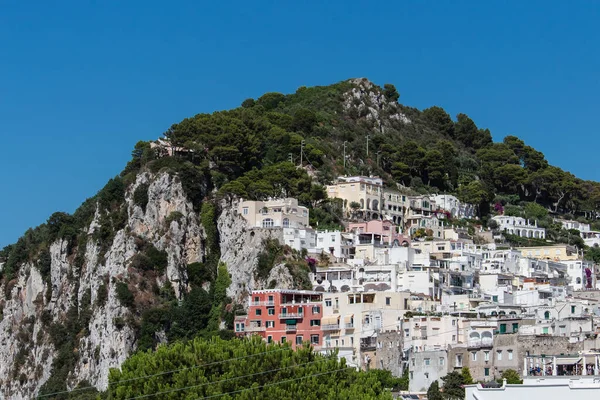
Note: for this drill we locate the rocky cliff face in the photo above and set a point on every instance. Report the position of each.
(34, 309)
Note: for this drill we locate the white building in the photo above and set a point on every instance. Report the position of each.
(519, 226)
(556, 378)
(456, 209)
(299, 238)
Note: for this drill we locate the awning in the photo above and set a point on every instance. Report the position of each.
(348, 319)
(290, 322)
(567, 360)
(330, 320)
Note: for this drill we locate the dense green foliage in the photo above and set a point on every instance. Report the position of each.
(512, 377)
(242, 369)
(433, 393)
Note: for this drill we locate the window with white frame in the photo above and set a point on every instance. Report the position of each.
(473, 356)
(510, 354)
(486, 356)
(499, 355)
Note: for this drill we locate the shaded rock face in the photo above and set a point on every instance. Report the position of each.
(32, 306)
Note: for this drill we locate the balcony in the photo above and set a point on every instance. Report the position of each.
(330, 327)
(291, 316)
(268, 303)
(255, 328)
(349, 326)
(290, 328)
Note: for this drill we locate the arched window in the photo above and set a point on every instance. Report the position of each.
(547, 315)
(286, 222)
(375, 205)
(267, 223)
(368, 204)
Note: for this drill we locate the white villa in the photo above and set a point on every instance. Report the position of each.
(520, 226)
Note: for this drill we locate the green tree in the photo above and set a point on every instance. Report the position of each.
(466, 375)
(390, 92)
(453, 385)
(512, 377)
(433, 393)
(252, 369)
(440, 119)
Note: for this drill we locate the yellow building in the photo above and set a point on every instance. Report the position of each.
(558, 252)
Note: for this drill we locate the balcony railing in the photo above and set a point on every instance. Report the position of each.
(349, 326)
(256, 328)
(290, 328)
(267, 303)
(291, 316)
(330, 327)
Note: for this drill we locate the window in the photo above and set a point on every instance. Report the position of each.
(286, 222)
(267, 223)
(333, 238)
(453, 322)
(486, 371)
(316, 309)
(454, 338)
(258, 311)
(458, 361)
(269, 339)
(315, 322)
(545, 330)
(327, 302)
(547, 315)
(388, 301)
(270, 324)
(515, 327)
(473, 356)
(499, 355)
(510, 354)
(271, 311)
(298, 340)
(427, 361)
(245, 211)
(238, 327)
(572, 309)
(314, 339)
(283, 339)
(442, 361)
(256, 300)
(486, 356)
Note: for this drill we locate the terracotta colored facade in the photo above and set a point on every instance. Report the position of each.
(279, 315)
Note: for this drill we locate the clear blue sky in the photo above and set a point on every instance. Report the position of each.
(82, 81)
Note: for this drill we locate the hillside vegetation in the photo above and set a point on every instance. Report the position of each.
(253, 152)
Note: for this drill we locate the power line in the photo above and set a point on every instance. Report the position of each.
(225, 380)
(275, 383)
(162, 373)
(396, 324)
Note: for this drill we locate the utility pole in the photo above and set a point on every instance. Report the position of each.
(301, 151)
(368, 136)
(345, 156)
(378, 154)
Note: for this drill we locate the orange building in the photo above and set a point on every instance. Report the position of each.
(280, 315)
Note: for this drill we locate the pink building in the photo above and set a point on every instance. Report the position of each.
(280, 315)
(379, 232)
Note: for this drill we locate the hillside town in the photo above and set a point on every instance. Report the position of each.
(403, 288)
